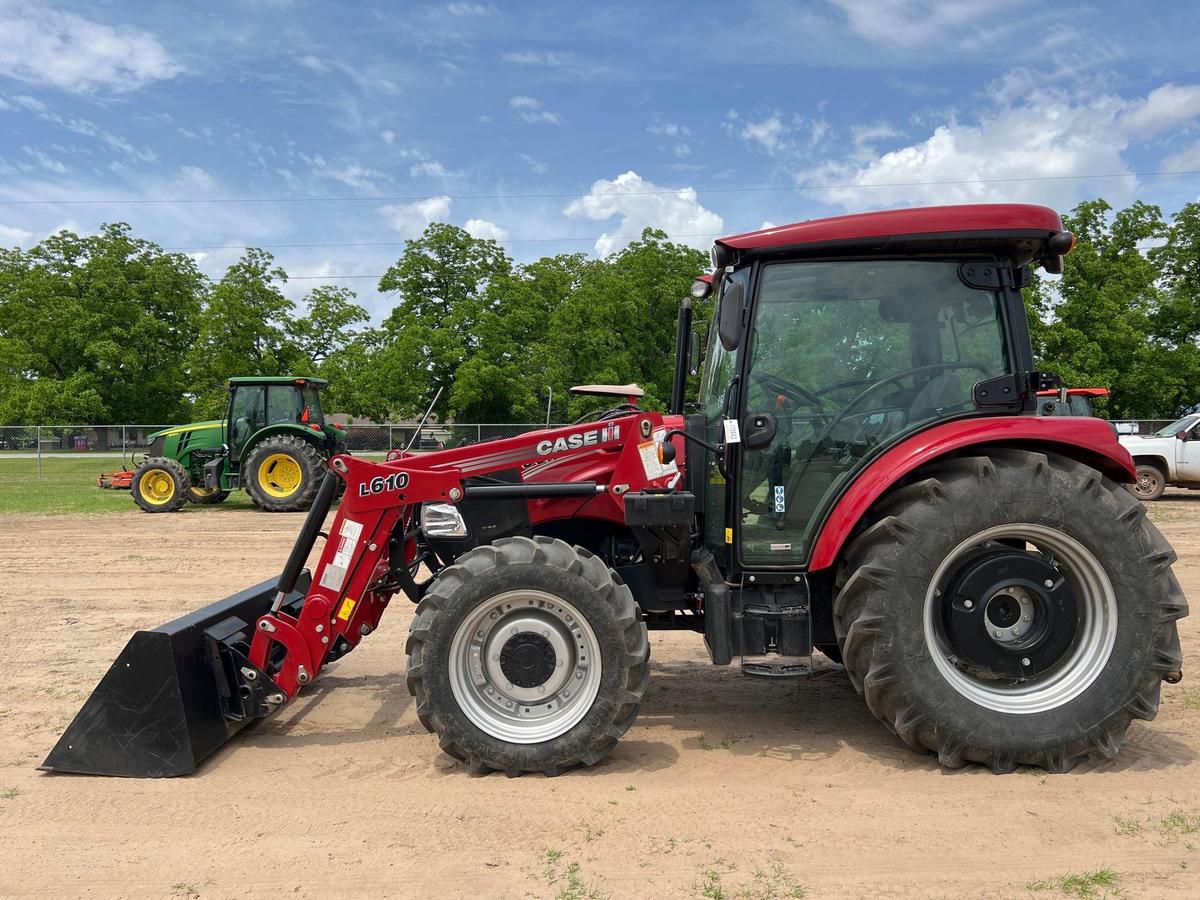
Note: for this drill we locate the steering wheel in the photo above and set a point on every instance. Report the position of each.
(776, 385)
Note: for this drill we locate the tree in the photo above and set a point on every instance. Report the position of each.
(96, 328)
(246, 329)
(1111, 320)
(442, 285)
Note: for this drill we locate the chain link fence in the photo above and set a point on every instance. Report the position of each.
(27, 451)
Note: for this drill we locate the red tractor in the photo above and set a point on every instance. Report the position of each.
(865, 475)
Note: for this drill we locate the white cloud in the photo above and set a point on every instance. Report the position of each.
(46, 162)
(410, 219)
(83, 126)
(462, 9)
(1163, 108)
(430, 167)
(314, 64)
(535, 165)
(388, 136)
(1185, 161)
(680, 135)
(913, 26)
(46, 46)
(348, 172)
(1048, 135)
(531, 110)
(14, 237)
(568, 64)
(639, 204)
(482, 228)
(769, 133)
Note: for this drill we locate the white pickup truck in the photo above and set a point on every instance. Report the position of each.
(1169, 456)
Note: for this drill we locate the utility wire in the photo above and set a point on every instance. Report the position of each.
(561, 196)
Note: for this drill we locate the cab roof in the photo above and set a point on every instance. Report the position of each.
(999, 222)
(279, 379)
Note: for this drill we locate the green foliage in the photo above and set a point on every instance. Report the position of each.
(96, 328)
(109, 327)
(1126, 313)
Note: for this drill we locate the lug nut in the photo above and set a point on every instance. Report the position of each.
(1048, 583)
(1024, 660)
(969, 604)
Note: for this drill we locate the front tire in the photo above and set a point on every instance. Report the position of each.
(1014, 608)
(1150, 482)
(282, 473)
(160, 485)
(528, 655)
(206, 496)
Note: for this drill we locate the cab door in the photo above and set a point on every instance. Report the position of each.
(1187, 454)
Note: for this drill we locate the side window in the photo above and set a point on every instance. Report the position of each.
(283, 404)
(247, 414)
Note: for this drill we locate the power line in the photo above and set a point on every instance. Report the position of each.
(562, 196)
(541, 240)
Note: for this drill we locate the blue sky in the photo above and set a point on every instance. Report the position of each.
(569, 127)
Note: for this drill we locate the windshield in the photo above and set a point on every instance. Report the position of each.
(1177, 426)
(848, 356)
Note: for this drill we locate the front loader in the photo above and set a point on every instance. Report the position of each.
(865, 476)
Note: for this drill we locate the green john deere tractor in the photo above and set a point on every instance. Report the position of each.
(274, 442)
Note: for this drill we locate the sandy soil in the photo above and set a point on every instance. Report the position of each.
(726, 784)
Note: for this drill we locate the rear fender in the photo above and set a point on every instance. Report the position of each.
(1089, 441)
(314, 437)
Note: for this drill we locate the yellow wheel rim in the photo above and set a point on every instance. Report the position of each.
(157, 486)
(204, 491)
(280, 475)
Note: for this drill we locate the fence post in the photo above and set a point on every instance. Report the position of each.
(478, 433)
(391, 440)
(39, 452)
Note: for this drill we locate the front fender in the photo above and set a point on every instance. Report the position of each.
(1090, 441)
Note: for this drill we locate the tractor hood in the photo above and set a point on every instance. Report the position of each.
(183, 429)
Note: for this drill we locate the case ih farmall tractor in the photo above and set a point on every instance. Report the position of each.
(865, 476)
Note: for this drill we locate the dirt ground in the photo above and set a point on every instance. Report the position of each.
(726, 786)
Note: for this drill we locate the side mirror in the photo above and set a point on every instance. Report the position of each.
(729, 315)
(759, 431)
(694, 349)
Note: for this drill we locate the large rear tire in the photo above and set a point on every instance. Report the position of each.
(1013, 608)
(282, 473)
(160, 485)
(528, 655)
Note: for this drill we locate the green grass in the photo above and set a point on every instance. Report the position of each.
(1125, 825)
(568, 881)
(1085, 885)
(8, 793)
(69, 486)
(1191, 698)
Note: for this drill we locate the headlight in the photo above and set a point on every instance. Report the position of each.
(442, 520)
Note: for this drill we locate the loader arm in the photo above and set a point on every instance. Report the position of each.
(371, 551)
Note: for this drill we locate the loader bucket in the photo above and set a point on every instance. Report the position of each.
(175, 694)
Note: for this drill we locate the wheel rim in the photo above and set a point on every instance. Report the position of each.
(204, 491)
(1022, 619)
(525, 666)
(1147, 484)
(157, 486)
(280, 475)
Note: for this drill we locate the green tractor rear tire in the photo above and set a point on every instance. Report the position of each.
(207, 496)
(282, 473)
(160, 485)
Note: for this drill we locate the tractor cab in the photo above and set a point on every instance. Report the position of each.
(256, 403)
(826, 356)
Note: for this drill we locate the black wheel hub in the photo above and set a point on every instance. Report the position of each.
(1008, 614)
(527, 660)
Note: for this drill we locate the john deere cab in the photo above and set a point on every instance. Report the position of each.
(274, 442)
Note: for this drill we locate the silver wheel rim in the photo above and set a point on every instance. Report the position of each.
(1079, 666)
(1147, 484)
(508, 711)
